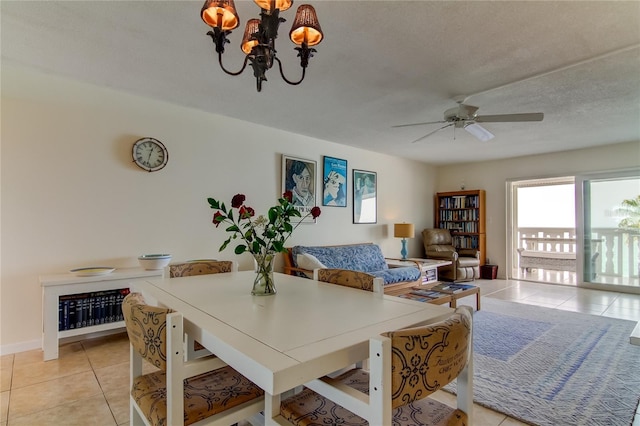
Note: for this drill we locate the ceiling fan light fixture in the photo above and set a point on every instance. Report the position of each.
(479, 132)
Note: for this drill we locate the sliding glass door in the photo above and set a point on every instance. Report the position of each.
(609, 230)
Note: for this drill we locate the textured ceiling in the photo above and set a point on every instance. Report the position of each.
(380, 64)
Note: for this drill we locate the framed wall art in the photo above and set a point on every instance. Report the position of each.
(299, 177)
(364, 196)
(334, 182)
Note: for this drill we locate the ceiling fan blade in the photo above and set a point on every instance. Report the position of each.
(505, 118)
(419, 124)
(479, 132)
(431, 133)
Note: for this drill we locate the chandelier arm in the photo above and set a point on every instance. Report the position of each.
(244, 65)
(293, 83)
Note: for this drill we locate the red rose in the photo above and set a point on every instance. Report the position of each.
(246, 212)
(315, 212)
(237, 200)
(217, 218)
(288, 195)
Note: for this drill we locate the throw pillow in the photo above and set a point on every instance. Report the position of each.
(310, 262)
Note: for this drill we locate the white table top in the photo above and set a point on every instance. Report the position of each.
(306, 330)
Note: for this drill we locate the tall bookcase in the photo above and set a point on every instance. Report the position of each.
(463, 213)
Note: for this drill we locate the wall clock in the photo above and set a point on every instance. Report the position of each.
(150, 154)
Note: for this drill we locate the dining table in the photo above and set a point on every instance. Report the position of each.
(307, 330)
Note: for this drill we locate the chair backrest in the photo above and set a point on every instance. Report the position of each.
(348, 278)
(200, 267)
(147, 329)
(426, 358)
(437, 240)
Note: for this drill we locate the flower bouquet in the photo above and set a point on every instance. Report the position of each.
(261, 236)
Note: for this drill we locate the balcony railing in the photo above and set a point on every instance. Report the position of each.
(615, 251)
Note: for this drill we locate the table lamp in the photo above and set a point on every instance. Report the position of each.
(404, 231)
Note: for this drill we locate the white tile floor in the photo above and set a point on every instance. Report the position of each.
(88, 384)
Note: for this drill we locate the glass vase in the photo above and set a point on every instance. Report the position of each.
(263, 284)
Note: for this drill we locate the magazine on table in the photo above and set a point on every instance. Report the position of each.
(427, 292)
(449, 288)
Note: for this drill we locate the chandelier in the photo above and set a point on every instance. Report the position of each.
(259, 41)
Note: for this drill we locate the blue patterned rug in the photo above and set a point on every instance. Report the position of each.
(550, 367)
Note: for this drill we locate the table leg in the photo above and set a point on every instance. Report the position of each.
(464, 386)
(271, 408)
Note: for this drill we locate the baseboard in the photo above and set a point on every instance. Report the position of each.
(20, 347)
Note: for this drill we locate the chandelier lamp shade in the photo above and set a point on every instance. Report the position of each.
(259, 40)
(404, 231)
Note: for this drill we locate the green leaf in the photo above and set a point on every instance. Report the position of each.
(273, 215)
(233, 228)
(225, 244)
(288, 227)
(213, 203)
(241, 249)
(278, 246)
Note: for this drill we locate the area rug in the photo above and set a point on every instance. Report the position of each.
(551, 367)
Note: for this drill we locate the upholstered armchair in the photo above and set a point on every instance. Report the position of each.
(465, 263)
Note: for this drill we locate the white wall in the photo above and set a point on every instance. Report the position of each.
(72, 197)
(493, 175)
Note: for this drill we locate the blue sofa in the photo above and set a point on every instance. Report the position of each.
(365, 257)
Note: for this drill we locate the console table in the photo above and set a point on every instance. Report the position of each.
(57, 285)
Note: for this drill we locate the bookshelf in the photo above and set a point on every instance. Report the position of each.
(58, 289)
(463, 213)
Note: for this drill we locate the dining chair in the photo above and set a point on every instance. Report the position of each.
(406, 366)
(349, 278)
(200, 267)
(180, 392)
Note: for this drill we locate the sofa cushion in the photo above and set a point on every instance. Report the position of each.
(357, 257)
(398, 275)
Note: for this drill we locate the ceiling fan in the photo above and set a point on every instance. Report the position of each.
(464, 116)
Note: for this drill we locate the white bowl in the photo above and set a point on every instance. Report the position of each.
(154, 261)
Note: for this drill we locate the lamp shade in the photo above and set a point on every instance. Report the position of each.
(220, 13)
(403, 230)
(248, 41)
(306, 27)
(277, 4)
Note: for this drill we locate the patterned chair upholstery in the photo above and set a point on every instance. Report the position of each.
(211, 390)
(348, 278)
(201, 267)
(465, 263)
(423, 360)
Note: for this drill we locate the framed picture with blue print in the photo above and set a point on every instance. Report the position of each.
(334, 182)
(364, 196)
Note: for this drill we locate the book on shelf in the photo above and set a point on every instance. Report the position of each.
(87, 309)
